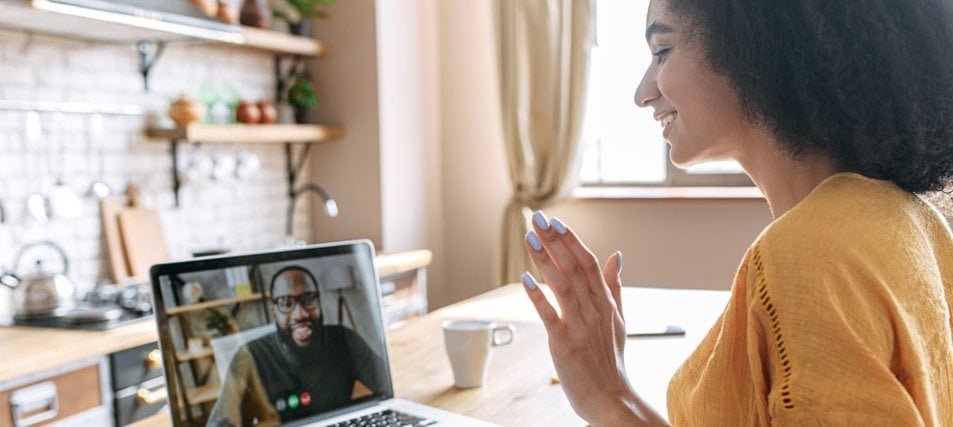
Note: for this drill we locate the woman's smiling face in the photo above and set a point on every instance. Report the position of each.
(699, 112)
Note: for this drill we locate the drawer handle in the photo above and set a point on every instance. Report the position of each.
(148, 397)
(154, 359)
(31, 399)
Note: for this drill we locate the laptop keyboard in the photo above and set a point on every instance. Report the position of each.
(386, 418)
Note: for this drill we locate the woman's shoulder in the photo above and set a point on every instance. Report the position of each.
(847, 211)
(847, 225)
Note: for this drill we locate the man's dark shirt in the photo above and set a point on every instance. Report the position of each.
(326, 369)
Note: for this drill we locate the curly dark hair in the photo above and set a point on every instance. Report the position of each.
(869, 82)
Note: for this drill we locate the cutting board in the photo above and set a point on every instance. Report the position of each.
(109, 208)
(142, 239)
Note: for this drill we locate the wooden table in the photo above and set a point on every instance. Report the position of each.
(519, 390)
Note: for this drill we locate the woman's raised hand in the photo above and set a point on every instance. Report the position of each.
(587, 333)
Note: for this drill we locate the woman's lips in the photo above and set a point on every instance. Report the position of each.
(666, 120)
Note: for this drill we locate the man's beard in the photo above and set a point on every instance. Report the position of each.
(292, 346)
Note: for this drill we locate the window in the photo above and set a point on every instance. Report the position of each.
(622, 143)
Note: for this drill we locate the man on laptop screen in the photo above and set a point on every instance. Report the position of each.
(303, 368)
(293, 336)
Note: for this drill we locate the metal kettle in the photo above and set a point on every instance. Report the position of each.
(40, 293)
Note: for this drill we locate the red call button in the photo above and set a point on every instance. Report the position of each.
(305, 399)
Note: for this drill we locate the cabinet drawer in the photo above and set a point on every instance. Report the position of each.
(140, 401)
(135, 365)
(42, 401)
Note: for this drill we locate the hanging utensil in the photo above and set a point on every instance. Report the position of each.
(37, 205)
(98, 188)
(64, 200)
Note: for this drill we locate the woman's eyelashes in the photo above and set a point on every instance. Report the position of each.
(661, 53)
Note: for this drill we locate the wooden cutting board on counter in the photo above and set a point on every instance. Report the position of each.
(109, 208)
(142, 239)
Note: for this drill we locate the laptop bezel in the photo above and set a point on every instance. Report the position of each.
(350, 247)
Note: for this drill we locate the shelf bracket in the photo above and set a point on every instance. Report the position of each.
(149, 53)
(283, 78)
(176, 182)
(294, 168)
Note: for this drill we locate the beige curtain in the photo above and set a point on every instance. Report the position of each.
(543, 51)
(543, 56)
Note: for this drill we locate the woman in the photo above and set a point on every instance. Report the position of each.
(840, 311)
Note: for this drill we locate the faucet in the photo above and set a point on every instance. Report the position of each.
(330, 206)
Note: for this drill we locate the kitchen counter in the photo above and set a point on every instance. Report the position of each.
(28, 350)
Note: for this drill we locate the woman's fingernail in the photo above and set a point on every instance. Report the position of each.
(540, 219)
(558, 225)
(533, 240)
(529, 281)
(618, 257)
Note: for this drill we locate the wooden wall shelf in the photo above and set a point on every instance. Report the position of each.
(277, 42)
(246, 134)
(249, 134)
(78, 22)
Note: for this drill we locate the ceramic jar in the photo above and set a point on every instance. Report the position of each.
(256, 13)
(269, 114)
(186, 110)
(248, 113)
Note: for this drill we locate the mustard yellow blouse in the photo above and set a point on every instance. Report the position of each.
(839, 315)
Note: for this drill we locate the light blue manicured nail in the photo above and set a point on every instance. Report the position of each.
(540, 219)
(529, 281)
(558, 225)
(619, 262)
(533, 240)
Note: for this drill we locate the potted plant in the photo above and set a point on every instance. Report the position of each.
(299, 12)
(302, 96)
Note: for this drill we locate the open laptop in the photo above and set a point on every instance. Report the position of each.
(292, 336)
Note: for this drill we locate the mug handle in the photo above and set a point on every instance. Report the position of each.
(511, 332)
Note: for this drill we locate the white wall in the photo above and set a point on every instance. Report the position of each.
(475, 180)
(347, 82)
(412, 217)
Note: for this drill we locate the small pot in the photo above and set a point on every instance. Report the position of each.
(302, 116)
(302, 28)
(248, 113)
(41, 293)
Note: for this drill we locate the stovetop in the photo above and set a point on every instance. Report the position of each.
(56, 322)
(133, 302)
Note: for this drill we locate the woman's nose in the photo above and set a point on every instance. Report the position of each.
(647, 91)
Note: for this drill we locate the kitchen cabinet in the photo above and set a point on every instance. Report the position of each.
(137, 385)
(403, 278)
(74, 394)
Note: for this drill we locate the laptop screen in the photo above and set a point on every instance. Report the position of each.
(272, 337)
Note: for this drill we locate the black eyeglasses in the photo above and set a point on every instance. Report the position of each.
(286, 303)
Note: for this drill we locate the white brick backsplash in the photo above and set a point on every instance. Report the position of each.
(18, 74)
(243, 215)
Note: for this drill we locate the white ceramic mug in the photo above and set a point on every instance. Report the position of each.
(468, 345)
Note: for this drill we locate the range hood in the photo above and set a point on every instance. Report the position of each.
(117, 20)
